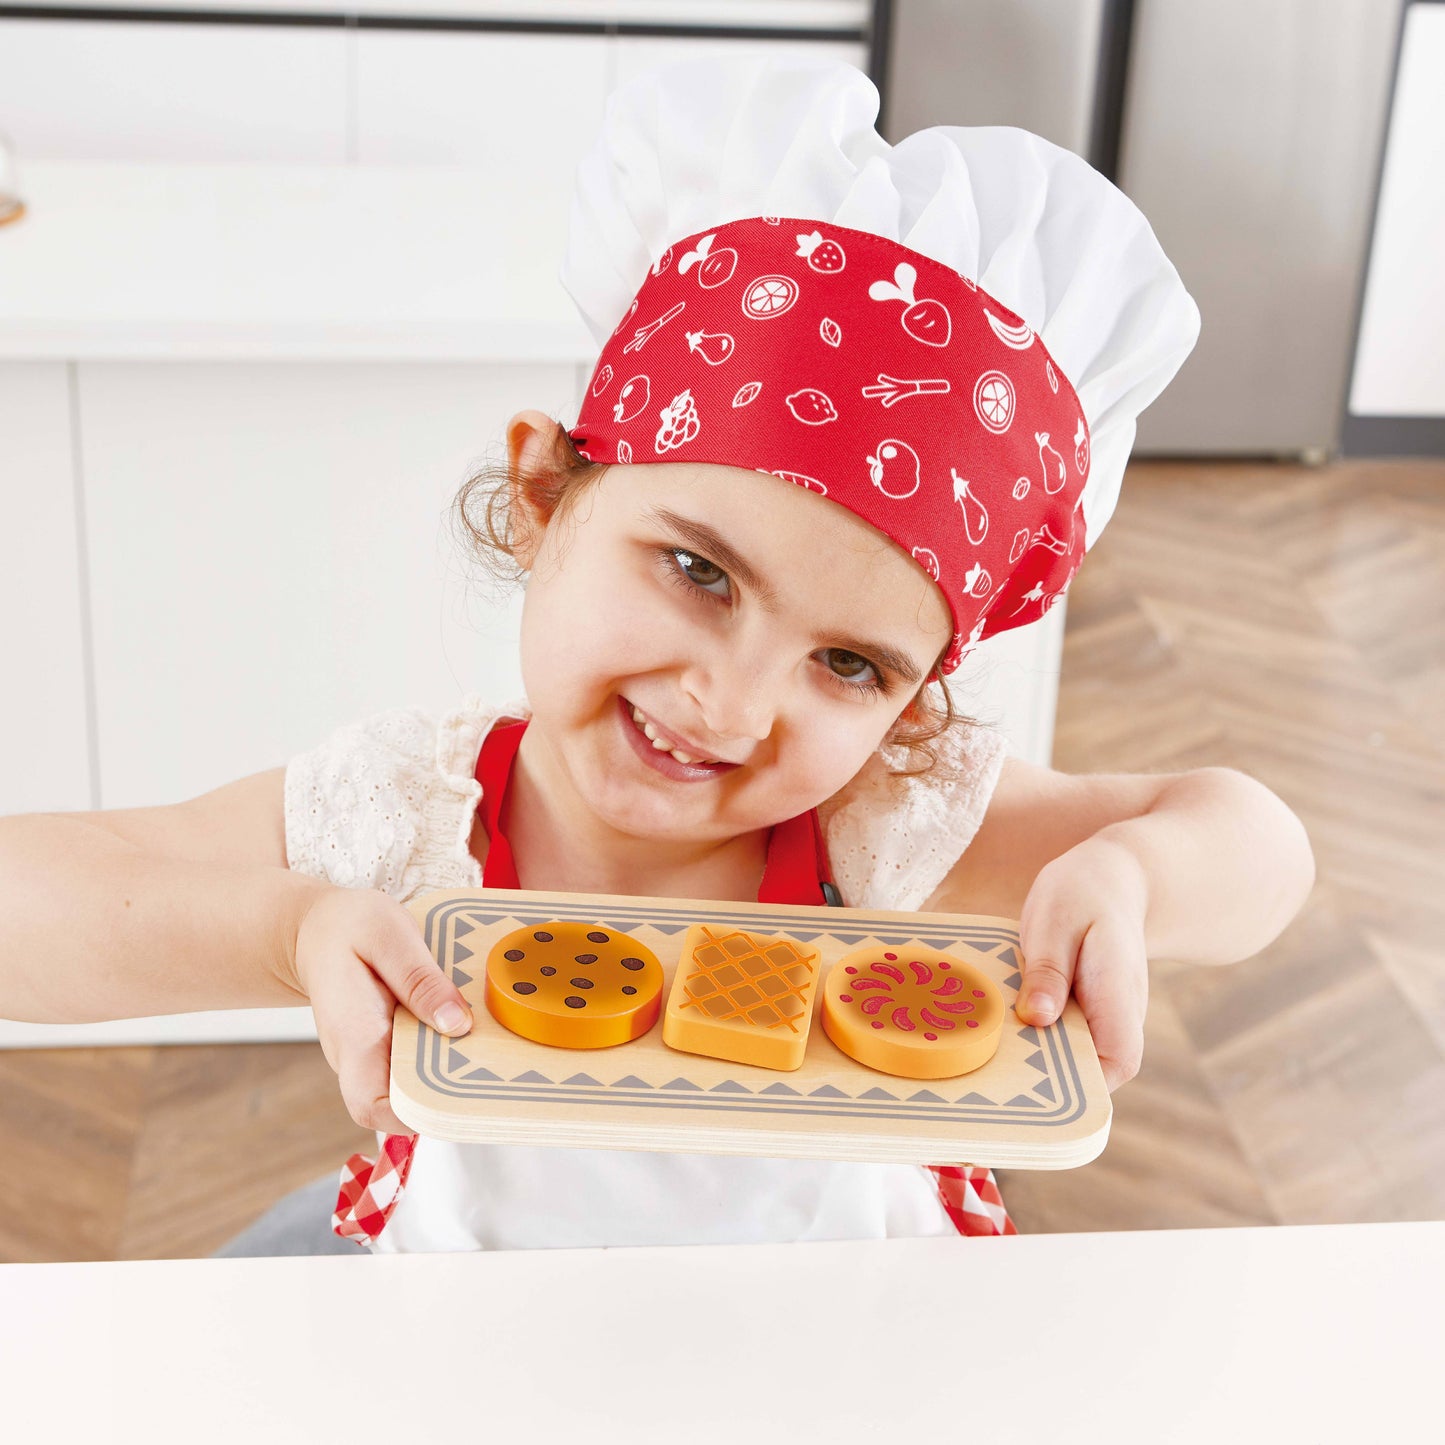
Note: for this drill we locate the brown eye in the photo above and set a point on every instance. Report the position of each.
(848, 662)
(690, 562)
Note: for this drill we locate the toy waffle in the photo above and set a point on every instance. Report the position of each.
(1037, 1101)
(742, 996)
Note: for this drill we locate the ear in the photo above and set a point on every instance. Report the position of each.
(531, 448)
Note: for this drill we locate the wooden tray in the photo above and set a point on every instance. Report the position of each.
(1040, 1103)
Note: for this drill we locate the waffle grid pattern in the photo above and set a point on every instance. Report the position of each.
(738, 978)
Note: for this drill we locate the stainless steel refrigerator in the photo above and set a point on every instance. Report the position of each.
(1249, 132)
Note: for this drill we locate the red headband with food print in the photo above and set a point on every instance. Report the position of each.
(873, 375)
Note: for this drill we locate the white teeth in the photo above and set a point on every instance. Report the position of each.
(661, 746)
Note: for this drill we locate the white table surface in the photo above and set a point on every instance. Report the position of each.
(1301, 1334)
(120, 260)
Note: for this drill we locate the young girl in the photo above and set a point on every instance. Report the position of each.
(857, 408)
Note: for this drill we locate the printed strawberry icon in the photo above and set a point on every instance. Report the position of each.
(812, 407)
(1081, 448)
(823, 256)
(928, 320)
(713, 267)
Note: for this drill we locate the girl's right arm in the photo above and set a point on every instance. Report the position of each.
(133, 912)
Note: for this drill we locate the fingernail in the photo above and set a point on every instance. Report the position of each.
(1040, 1005)
(451, 1020)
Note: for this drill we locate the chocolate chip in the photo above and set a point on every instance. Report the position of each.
(514, 954)
(585, 958)
(524, 987)
(628, 988)
(547, 970)
(633, 963)
(542, 937)
(572, 1001)
(581, 983)
(596, 938)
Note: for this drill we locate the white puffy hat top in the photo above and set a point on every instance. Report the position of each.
(692, 144)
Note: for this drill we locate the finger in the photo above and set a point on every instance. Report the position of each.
(397, 953)
(1112, 986)
(1051, 929)
(353, 1011)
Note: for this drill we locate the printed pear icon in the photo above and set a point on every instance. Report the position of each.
(1055, 473)
(713, 346)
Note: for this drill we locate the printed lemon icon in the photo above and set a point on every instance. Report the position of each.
(993, 401)
(769, 296)
(928, 320)
(812, 406)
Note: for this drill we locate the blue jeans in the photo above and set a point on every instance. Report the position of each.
(300, 1223)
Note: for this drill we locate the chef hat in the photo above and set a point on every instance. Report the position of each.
(740, 241)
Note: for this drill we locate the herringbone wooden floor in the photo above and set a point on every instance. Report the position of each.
(1286, 621)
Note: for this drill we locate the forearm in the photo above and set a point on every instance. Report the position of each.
(1227, 864)
(93, 928)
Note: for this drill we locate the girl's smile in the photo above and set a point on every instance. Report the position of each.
(661, 759)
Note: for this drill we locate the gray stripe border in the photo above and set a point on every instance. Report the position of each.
(792, 917)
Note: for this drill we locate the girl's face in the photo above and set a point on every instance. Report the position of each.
(796, 673)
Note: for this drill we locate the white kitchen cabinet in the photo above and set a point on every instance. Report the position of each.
(525, 106)
(634, 53)
(114, 90)
(44, 738)
(272, 556)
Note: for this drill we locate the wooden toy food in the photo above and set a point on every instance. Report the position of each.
(912, 1011)
(745, 997)
(574, 985)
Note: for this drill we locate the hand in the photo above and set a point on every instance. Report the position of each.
(359, 953)
(1082, 928)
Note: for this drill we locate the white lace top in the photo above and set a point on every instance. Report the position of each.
(389, 803)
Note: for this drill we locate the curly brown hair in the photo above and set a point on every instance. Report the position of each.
(554, 489)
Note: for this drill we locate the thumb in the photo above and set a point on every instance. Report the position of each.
(1049, 939)
(405, 964)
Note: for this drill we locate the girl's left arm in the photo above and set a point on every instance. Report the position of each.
(1106, 871)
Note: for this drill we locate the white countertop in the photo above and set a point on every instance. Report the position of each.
(134, 261)
(1319, 1334)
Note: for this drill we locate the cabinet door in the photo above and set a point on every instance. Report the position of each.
(526, 107)
(44, 735)
(114, 90)
(634, 53)
(272, 556)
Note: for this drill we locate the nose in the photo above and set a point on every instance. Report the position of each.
(736, 695)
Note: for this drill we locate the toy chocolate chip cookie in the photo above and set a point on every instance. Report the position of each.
(575, 985)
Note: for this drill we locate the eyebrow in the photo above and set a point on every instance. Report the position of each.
(717, 549)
